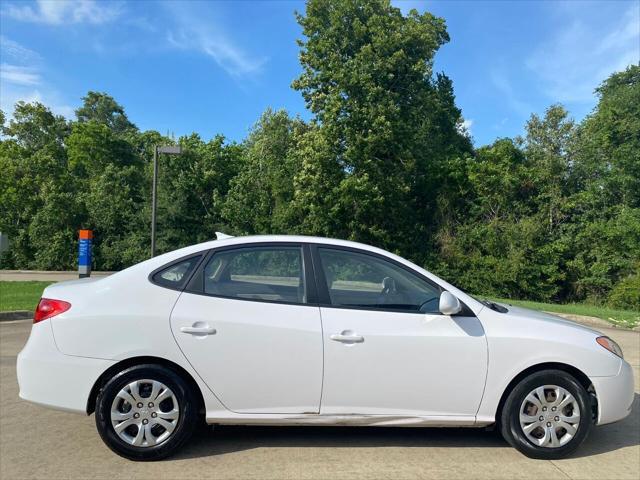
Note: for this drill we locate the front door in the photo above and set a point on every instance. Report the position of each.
(251, 333)
(388, 350)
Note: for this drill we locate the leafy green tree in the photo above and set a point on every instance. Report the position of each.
(603, 251)
(502, 257)
(92, 146)
(501, 182)
(103, 109)
(260, 195)
(52, 230)
(367, 78)
(33, 166)
(605, 205)
(551, 215)
(315, 208)
(548, 148)
(192, 189)
(608, 157)
(114, 203)
(626, 293)
(500, 247)
(34, 127)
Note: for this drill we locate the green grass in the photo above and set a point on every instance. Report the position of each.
(20, 295)
(625, 318)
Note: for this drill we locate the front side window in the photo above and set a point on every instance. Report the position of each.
(176, 275)
(257, 273)
(360, 280)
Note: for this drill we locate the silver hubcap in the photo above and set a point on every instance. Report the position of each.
(145, 413)
(549, 416)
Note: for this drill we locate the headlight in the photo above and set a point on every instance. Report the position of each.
(610, 345)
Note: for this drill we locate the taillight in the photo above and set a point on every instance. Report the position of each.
(48, 308)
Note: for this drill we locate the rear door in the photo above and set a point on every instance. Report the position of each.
(250, 326)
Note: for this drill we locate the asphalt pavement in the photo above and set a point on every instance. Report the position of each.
(40, 443)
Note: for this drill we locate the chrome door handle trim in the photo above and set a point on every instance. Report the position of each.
(198, 330)
(338, 337)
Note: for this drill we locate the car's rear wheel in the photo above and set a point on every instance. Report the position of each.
(547, 415)
(146, 412)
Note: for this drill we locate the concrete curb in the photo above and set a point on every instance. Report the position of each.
(594, 322)
(44, 276)
(16, 315)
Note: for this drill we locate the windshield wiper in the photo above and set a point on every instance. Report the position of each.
(494, 306)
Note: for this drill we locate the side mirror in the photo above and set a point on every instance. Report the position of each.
(449, 305)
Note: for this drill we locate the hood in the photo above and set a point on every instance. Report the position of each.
(526, 313)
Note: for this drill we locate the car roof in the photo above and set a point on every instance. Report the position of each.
(165, 258)
(228, 241)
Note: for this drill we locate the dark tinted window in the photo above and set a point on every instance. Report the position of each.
(361, 280)
(257, 273)
(175, 276)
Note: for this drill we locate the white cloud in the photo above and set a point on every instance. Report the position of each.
(228, 56)
(626, 36)
(573, 62)
(59, 12)
(207, 36)
(19, 75)
(10, 97)
(12, 94)
(17, 52)
(21, 80)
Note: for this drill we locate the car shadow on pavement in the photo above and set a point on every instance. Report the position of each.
(228, 439)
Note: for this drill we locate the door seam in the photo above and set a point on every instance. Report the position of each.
(187, 358)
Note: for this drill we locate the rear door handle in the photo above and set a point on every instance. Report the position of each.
(200, 330)
(347, 337)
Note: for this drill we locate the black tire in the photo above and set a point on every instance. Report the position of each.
(185, 424)
(509, 420)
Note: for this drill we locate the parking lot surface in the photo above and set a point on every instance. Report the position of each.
(39, 443)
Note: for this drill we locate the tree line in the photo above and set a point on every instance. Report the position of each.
(553, 214)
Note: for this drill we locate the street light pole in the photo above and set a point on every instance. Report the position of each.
(170, 150)
(154, 200)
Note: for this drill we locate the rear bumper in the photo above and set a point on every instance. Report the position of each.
(50, 378)
(615, 395)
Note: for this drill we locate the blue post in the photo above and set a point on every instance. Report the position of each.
(84, 253)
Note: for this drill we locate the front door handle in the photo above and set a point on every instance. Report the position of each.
(347, 336)
(199, 329)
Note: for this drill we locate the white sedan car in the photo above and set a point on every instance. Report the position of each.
(288, 330)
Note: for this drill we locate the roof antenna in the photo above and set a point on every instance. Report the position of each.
(222, 236)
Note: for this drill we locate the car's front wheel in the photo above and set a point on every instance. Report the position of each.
(547, 415)
(146, 412)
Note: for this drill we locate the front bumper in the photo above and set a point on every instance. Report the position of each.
(615, 395)
(48, 377)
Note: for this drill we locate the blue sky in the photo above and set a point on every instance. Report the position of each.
(213, 67)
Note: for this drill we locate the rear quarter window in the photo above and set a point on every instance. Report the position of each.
(176, 275)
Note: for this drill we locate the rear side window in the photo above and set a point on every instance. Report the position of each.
(176, 275)
(257, 273)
